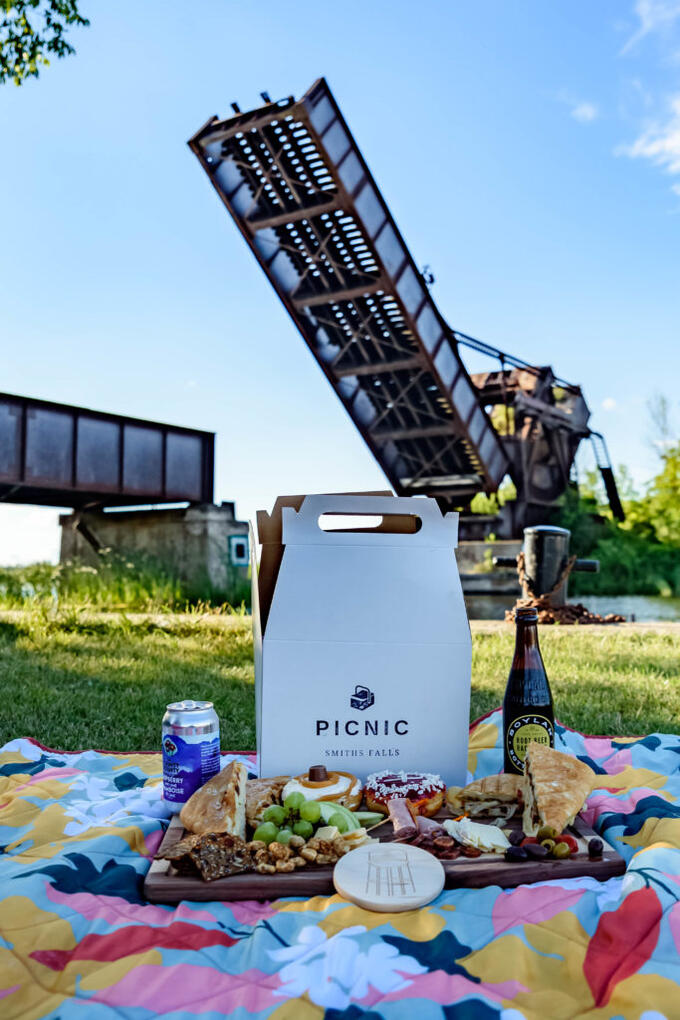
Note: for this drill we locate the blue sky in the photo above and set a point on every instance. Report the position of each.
(529, 151)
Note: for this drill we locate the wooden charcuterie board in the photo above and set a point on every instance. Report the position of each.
(164, 885)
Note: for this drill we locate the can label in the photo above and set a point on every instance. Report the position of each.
(522, 731)
(188, 763)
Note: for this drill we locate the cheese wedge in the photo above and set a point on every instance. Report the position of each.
(555, 788)
(487, 838)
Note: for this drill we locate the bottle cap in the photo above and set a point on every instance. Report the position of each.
(526, 614)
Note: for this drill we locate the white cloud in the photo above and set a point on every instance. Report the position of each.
(585, 112)
(660, 143)
(654, 16)
(608, 404)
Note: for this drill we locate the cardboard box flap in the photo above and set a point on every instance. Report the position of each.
(416, 522)
(270, 531)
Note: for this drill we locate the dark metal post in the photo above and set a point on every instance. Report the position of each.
(546, 553)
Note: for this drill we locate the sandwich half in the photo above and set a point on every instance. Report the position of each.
(220, 804)
(496, 796)
(261, 794)
(555, 788)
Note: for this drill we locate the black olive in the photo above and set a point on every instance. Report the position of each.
(536, 851)
(516, 853)
(515, 837)
(595, 848)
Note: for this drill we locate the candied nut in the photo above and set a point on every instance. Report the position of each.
(298, 861)
(265, 869)
(255, 845)
(279, 852)
(338, 844)
(314, 843)
(285, 866)
(308, 853)
(342, 850)
(296, 842)
(262, 856)
(326, 858)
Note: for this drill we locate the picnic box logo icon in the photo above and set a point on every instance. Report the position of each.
(362, 698)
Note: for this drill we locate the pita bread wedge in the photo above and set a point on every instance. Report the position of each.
(220, 804)
(260, 794)
(555, 788)
(497, 796)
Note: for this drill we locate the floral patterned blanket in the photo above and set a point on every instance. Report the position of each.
(77, 939)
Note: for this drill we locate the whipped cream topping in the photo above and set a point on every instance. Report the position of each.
(342, 786)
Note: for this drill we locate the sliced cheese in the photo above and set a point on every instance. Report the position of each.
(329, 832)
(487, 838)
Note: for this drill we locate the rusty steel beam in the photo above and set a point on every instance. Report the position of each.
(341, 294)
(383, 435)
(378, 367)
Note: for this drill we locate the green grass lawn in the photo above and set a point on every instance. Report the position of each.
(103, 680)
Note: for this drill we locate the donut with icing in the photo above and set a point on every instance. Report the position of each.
(425, 791)
(318, 784)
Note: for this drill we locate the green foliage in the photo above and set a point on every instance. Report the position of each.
(31, 31)
(483, 504)
(640, 556)
(135, 583)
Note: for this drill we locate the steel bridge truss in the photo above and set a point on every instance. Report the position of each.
(292, 177)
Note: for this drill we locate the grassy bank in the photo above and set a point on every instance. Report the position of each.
(102, 680)
(115, 581)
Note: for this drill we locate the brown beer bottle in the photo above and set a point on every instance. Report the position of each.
(527, 705)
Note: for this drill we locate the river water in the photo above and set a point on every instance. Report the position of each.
(633, 607)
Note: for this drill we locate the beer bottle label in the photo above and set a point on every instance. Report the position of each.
(522, 731)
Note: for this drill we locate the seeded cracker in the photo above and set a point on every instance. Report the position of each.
(213, 855)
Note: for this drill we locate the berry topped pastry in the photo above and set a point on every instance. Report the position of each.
(424, 790)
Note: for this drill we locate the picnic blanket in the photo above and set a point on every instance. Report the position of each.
(78, 939)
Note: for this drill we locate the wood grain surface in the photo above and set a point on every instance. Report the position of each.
(164, 885)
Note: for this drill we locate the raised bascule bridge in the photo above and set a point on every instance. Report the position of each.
(293, 178)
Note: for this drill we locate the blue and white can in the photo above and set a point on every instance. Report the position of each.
(191, 749)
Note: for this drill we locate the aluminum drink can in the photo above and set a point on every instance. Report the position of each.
(191, 748)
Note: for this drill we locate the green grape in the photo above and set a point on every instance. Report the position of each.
(310, 811)
(267, 832)
(275, 814)
(284, 836)
(294, 801)
(304, 829)
(339, 821)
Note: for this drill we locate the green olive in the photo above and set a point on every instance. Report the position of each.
(549, 844)
(561, 850)
(546, 832)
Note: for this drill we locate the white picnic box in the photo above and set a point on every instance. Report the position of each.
(362, 643)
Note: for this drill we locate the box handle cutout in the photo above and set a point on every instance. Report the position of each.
(357, 523)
